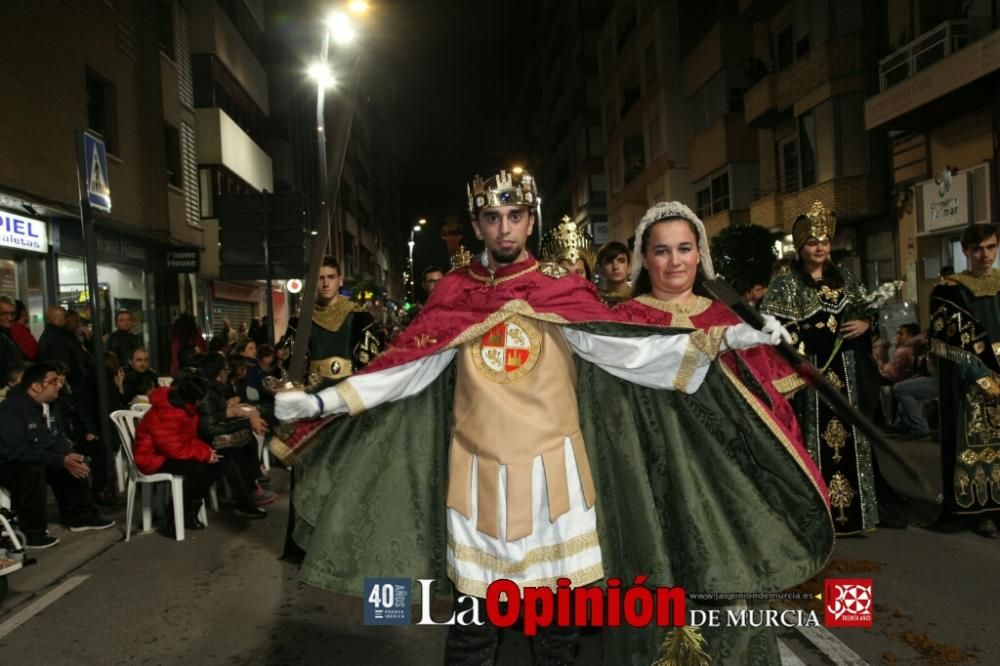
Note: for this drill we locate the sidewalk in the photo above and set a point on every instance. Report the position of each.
(53, 564)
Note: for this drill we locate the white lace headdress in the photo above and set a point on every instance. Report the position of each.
(666, 210)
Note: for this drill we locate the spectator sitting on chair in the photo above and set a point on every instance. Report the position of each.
(32, 451)
(123, 341)
(13, 379)
(221, 423)
(138, 375)
(167, 441)
(20, 332)
(910, 396)
(908, 342)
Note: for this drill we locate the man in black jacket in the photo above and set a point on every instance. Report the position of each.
(56, 344)
(139, 379)
(33, 450)
(123, 341)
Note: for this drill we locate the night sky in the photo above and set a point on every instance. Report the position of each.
(448, 76)
(456, 71)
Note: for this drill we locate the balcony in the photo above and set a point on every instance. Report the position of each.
(727, 218)
(221, 141)
(841, 59)
(760, 103)
(849, 196)
(930, 48)
(212, 32)
(726, 140)
(939, 62)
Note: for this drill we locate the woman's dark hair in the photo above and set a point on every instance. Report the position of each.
(586, 268)
(185, 329)
(211, 365)
(188, 388)
(832, 277)
(241, 345)
(263, 351)
(237, 364)
(643, 285)
(19, 309)
(111, 363)
(187, 356)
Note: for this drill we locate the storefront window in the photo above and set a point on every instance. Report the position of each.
(22, 278)
(121, 288)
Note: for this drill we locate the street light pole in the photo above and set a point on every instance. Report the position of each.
(321, 226)
(412, 242)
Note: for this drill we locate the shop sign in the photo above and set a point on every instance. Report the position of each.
(946, 201)
(182, 260)
(23, 233)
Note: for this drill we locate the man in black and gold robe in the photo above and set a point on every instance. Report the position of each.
(965, 336)
(343, 338)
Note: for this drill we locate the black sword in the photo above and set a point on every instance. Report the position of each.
(723, 292)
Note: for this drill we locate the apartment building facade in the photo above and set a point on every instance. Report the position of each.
(938, 98)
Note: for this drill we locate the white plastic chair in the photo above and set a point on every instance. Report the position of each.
(125, 420)
(141, 407)
(6, 529)
(164, 381)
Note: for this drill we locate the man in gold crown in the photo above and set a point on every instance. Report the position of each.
(569, 247)
(965, 338)
(471, 449)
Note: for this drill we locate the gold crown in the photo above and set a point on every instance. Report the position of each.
(567, 242)
(461, 258)
(512, 188)
(818, 223)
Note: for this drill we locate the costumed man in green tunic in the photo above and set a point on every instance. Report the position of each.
(470, 453)
(965, 337)
(342, 340)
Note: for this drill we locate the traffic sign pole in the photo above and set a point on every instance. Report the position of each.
(84, 141)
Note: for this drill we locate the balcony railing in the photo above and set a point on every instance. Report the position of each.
(931, 47)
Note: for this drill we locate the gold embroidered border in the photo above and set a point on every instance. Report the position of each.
(709, 343)
(509, 309)
(987, 285)
(681, 313)
(689, 364)
(477, 588)
(351, 397)
(778, 433)
(539, 555)
(788, 385)
(490, 280)
(281, 450)
(332, 315)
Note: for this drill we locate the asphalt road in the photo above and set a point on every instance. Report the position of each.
(223, 597)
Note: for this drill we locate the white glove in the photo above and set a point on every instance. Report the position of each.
(295, 405)
(745, 336)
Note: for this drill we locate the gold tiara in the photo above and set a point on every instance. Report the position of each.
(567, 242)
(507, 188)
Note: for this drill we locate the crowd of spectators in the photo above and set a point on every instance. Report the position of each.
(208, 423)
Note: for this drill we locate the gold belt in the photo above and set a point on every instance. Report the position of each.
(332, 367)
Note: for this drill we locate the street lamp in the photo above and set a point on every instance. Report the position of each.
(415, 229)
(340, 29)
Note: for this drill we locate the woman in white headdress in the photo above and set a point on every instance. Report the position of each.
(709, 457)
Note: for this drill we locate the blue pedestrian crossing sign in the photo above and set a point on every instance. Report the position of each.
(96, 172)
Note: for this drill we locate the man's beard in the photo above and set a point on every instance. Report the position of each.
(506, 256)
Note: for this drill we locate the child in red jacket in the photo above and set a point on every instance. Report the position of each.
(166, 440)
